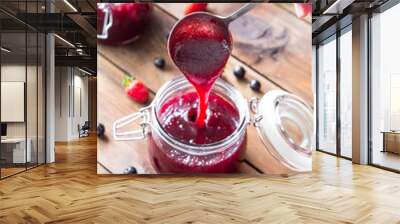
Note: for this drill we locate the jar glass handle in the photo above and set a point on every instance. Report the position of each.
(108, 20)
(256, 118)
(137, 134)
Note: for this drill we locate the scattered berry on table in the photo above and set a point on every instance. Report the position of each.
(255, 85)
(159, 62)
(137, 91)
(195, 7)
(130, 170)
(239, 72)
(101, 130)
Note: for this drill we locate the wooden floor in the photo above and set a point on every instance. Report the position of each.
(386, 159)
(69, 191)
(11, 170)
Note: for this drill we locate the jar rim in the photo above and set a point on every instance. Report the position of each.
(293, 101)
(295, 156)
(206, 149)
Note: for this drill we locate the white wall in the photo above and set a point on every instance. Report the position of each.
(12, 73)
(81, 102)
(71, 94)
(62, 80)
(12, 101)
(33, 126)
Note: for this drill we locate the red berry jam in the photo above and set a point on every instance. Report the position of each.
(129, 20)
(200, 46)
(177, 118)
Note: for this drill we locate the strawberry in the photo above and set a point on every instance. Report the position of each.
(302, 9)
(195, 7)
(135, 89)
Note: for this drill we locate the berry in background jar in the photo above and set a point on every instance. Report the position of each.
(302, 9)
(195, 7)
(121, 23)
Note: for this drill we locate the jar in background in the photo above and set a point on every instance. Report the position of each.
(121, 23)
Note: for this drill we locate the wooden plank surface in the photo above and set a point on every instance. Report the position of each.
(113, 104)
(137, 59)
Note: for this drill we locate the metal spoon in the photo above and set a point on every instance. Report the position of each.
(218, 28)
(244, 9)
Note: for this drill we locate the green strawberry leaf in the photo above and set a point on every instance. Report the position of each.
(128, 78)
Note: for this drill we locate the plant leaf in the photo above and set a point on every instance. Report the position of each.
(126, 81)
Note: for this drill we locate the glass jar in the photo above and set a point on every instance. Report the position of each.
(121, 23)
(285, 126)
(272, 115)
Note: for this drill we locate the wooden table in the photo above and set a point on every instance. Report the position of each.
(270, 42)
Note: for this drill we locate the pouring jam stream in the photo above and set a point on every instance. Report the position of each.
(200, 46)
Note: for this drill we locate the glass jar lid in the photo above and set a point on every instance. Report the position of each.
(285, 125)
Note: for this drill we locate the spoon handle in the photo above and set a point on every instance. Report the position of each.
(239, 12)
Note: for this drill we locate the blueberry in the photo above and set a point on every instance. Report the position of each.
(167, 35)
(239, 72)
(159, 63)
(100, 130)
(130, 170)
(255, 85)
